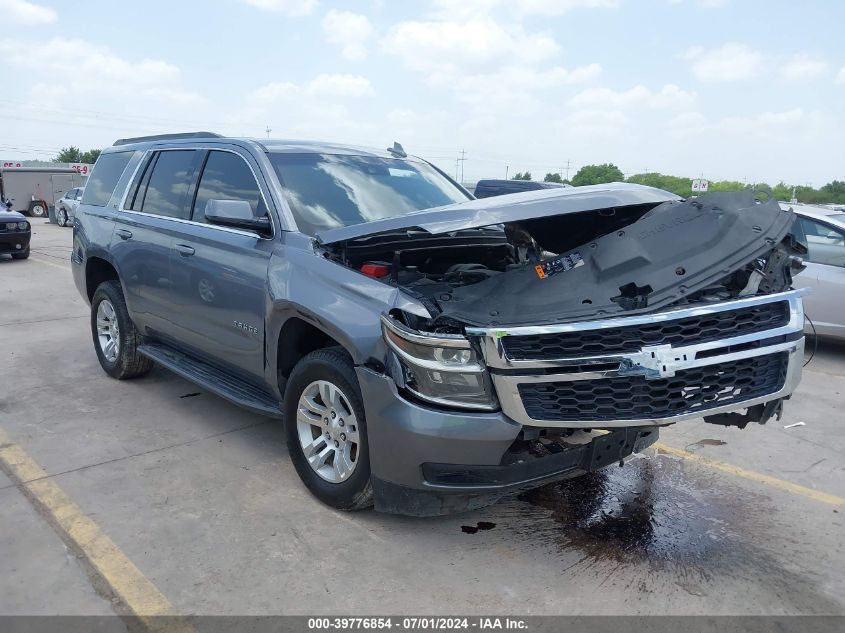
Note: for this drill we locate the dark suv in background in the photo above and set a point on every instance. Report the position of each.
(430, 352)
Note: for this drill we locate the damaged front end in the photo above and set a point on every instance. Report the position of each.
(603, 307)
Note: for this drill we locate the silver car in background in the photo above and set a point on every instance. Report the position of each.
(67, 205)
(824, 232)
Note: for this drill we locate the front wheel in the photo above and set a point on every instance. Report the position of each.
(326, 429)
(116, 340)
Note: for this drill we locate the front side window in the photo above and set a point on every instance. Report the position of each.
(104, 176)
(226, 176)
(164, 187)
(327, 191)
(826, 244)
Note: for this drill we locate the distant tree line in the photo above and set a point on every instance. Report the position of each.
(73, 154)
(832, 192)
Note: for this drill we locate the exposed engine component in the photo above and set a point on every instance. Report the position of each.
(598, 262)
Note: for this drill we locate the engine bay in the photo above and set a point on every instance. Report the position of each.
(592, 264)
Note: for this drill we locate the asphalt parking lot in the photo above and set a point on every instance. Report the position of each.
(200, 501)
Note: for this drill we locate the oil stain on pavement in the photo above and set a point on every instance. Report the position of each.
(657, 521)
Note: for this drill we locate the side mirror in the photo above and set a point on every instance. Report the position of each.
(236, 214)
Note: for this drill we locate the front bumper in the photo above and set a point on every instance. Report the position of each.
(14, 241)
(427, 460)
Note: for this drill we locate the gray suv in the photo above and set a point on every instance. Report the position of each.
(429, 352)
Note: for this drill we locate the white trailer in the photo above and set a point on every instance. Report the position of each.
(33, 190)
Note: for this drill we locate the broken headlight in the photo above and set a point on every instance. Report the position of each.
(439, 369)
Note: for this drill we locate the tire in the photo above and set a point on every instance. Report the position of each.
(61, 217)
(126, 361)
(21, 255)
(38, 209)
(331, 366)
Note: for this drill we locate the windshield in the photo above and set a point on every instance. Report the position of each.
(327, 191)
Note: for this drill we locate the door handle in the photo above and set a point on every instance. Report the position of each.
(185, 250)
(123, 234)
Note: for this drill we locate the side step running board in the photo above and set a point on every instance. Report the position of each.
(214, 380)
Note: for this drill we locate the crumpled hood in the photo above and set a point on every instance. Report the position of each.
(513, 207)
(674, 250)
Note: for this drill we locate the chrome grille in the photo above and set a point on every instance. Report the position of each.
(632, 338)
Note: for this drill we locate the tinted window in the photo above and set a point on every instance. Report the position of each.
(826, 245)
(226, 176)
(168, 184)
(103, 179)
(327, 191)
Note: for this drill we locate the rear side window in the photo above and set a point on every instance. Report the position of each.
(103, 179)
(163, 190)
(226, 176)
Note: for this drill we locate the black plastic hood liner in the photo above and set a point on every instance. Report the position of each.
(675, 249)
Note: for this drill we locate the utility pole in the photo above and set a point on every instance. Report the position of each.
(506, 171)
(567, 170)
(268, 130)
(460, 161)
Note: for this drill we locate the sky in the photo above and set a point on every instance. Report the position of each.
(743, 90)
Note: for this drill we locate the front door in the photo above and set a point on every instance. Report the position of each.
(220, 274)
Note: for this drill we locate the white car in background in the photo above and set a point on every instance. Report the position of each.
(824, 232)
(67, 205)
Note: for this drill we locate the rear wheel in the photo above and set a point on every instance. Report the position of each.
(61, 217)
(116, 340)
(38, 209)
(326, 429)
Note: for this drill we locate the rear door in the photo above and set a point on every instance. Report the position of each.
(157, 204)
(825, 275)
(219, 274)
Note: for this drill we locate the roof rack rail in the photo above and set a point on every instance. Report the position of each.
(165, 137)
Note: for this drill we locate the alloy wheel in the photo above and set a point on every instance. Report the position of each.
(328, 431)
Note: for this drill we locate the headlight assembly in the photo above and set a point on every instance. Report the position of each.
(23, 226)
(11, 226)
(439, 369)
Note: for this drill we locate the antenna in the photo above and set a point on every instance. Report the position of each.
(397, 150)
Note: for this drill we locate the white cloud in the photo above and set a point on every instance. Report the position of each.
(293, 8)
(559, 7)
(705, 4)
(27, 13)
(321, 86)
(95, 68)
(764, 125)
(670, 96)
(348, 30)
(803, 66)
(729, 62)
(444, 47)
(597, 123)
(840, 76)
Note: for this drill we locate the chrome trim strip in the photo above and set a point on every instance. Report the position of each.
(423, 338)
(145, 159)
(496, 356)
(639, 319)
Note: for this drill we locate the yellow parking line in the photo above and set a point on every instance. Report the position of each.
(53, 264)
(774, 482)
(126, 581)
